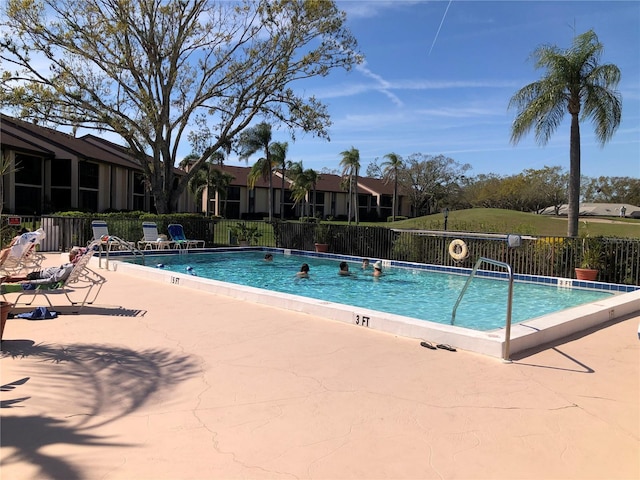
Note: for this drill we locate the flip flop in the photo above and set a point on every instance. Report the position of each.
(444, 346)
(428, 345)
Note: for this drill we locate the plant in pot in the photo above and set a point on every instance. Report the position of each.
(591, 259)
(5, 308)
(322, 237)
(245, 234)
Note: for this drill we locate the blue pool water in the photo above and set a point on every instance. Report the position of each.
(408, 292)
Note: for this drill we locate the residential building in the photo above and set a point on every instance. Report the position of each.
(60, 172)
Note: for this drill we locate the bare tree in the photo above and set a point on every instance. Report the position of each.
(159, 72)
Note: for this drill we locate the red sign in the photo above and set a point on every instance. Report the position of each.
(14, 221)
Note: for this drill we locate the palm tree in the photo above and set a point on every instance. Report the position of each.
(350, 164)
(390, 170)
(220, 182)
(279, 159)
(300, 186)
(312, 177)
(250, 141)
(576, 81)
(261, 170)
(198, 183)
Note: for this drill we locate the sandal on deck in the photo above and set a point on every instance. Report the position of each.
(444, 346)
(428, 345)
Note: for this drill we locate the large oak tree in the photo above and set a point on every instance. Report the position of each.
(158, 72)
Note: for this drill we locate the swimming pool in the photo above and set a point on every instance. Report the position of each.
(420, 294)
(528, 334)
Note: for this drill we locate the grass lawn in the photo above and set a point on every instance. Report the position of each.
(495, 220)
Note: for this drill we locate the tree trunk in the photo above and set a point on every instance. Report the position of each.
(357, 203)
(350, 199)
(395, 196)
(282, 194)
(574, 178)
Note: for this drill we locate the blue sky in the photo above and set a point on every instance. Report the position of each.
(438, 77)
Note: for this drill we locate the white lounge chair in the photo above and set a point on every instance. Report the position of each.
(152, 240)
(80, 278)
(107, 241)
(22, 254)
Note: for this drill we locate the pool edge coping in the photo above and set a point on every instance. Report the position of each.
(525, 336)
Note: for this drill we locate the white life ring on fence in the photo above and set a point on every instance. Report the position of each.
(458, 250)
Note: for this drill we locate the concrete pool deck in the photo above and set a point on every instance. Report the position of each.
(157, 383)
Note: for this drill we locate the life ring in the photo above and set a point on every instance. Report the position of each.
(458, 250)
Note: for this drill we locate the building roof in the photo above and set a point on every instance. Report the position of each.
(59, 144)
(326, 183)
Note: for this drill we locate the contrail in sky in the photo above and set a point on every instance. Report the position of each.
(440, 27)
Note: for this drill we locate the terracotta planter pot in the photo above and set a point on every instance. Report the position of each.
(5, 308)
(322, 247)
(586, 274)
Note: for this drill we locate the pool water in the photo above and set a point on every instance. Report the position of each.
(408, 292)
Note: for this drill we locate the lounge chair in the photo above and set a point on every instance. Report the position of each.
(152, 240)
(180, 240)
(22, 254)
(81, 277)
(109, 242)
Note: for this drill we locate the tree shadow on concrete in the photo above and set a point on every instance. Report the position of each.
(92, 384)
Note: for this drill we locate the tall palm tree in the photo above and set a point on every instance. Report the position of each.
(574, 81)
(250, 141)
(279, 159)
(312, 177)
(198, 183)
(350, 164)
(220, 182)
(390, 170)
(299, 187)
(262, 169)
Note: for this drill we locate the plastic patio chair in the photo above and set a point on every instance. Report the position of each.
(109, 242)
(152, 240)
(180, 240)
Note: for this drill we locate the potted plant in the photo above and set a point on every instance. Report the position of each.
(322, 237)
(591, 259)
(245, 234)
(5, 308)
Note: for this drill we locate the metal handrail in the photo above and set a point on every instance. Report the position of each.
(122, 246)
(507, 330)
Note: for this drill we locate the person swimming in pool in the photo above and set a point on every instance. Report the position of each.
(268, 257)
(365, 263)
(377, 269)
(344, 269)
(304, 271)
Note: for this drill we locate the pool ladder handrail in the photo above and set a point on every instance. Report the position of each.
(507, 329)
(122, 246)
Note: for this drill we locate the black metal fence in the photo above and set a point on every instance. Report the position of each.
(548, 256)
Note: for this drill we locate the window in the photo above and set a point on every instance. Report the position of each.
(28, 199)
(28, 187)
(88, 175)
(61, 173)
(88, 182)
(60, 185)
(232, 204)
(60, 199)
(138, 191)
(29, 170)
